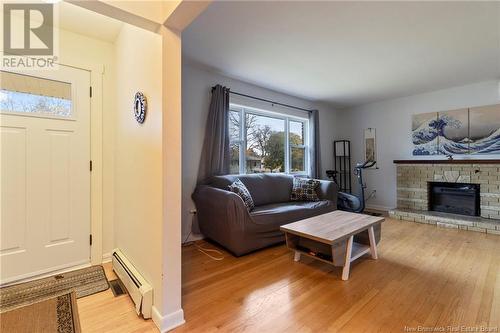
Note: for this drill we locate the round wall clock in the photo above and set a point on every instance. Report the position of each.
(140, 107)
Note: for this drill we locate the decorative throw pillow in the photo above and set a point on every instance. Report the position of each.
(240, 189)
(304, 189)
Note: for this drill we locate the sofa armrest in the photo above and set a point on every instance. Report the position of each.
(327, 190)
(220, 213)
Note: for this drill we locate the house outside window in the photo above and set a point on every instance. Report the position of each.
(263, 141)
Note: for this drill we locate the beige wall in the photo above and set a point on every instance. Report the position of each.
(172, 181)
(132, 153)
(138, 154)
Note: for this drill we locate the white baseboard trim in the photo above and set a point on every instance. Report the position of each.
(106, 257)
(378, 207)
(169, 321)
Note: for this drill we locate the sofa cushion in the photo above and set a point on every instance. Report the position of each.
(304, 189)
(241, 190)
(282, 213)
(265, 188)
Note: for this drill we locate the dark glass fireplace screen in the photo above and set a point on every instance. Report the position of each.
(455, 198)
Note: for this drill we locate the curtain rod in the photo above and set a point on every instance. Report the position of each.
(267, 100)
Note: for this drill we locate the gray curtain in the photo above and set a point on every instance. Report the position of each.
(315, 145)
(215, 153)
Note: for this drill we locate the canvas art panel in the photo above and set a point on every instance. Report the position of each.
(453, 132)
(485, 129)
(456, 132)
(424, 136)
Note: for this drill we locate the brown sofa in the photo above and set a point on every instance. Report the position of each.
(223, 217)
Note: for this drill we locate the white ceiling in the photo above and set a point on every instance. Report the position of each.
(88, 23)
(82, 21)
(349, 53)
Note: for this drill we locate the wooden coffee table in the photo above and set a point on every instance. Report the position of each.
(330, 238)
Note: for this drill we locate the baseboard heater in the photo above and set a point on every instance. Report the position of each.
(138, 288)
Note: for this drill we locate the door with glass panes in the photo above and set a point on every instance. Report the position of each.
(45, 176)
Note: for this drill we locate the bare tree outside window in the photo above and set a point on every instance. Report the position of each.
(13, 101)
(264, 140)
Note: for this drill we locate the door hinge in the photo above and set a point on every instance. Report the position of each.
(90, 165)
(90, 239)
(90, 91)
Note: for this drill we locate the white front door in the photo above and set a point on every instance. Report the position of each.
(45, 176)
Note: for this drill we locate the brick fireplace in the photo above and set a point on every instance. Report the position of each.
(414, 180)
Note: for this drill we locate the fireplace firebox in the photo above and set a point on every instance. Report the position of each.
(455, 198)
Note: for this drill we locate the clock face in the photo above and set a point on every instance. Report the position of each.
(140, 107)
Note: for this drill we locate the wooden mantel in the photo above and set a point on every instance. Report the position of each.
(461, 161)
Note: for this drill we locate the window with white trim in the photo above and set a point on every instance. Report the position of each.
(263, 141)
(33, 96)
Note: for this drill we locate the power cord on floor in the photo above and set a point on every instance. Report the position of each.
(203, 250)
(185, 240)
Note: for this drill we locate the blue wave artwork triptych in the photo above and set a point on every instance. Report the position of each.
(464, 131)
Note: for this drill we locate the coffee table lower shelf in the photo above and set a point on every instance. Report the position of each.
(340, 254)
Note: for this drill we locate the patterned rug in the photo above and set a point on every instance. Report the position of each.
(56, 314)
(84, 282)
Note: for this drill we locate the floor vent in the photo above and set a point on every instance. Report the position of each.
(117, 287)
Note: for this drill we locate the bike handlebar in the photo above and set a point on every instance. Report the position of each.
(366, 165)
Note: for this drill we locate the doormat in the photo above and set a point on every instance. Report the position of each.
(56, 314)
(84, 282)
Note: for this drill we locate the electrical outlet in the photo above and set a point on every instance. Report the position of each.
(371, 195)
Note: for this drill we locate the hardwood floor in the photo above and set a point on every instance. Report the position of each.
(104, 313)
(425, 276)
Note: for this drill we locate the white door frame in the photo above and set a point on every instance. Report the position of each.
(96, 144)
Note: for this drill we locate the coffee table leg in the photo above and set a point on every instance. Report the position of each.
(296, 256)
(347, 263)
(373, 244)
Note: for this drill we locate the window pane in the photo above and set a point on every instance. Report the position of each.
(234, 126)
(296, 133)
(33, 95)
(265, 151)
(234, 166)
(298, 161)
(254, 162)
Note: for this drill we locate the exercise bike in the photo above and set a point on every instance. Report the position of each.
(350, 202)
